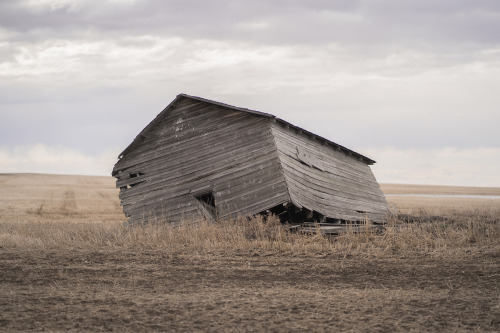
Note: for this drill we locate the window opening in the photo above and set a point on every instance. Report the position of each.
(134, 175)
(136, 182)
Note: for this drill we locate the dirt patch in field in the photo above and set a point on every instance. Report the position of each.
(116, 290)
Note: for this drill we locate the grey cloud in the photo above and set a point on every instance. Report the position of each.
(412, 23)
(320, 44)
(432, 21)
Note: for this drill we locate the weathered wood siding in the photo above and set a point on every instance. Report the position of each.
(323, 178)
(194, 147)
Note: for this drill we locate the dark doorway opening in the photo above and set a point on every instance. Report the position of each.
(207, 204)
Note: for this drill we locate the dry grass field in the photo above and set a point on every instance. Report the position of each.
(441, 205)
(67, 263)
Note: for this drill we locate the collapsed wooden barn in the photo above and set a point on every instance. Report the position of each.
(204, 159)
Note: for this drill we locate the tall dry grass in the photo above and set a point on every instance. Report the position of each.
(462, 231)
(47, 211)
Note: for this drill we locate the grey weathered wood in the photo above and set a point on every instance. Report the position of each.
(229, 152)
(346, 187)
(250, 161)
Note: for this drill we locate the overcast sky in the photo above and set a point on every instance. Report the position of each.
(412, 84)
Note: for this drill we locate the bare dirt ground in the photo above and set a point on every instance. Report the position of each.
(249, 291)
(80, 286)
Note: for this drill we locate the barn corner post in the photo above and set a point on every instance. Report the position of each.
(205, 159)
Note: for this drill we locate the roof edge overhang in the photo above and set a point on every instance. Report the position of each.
(179, 97)
(348, 151)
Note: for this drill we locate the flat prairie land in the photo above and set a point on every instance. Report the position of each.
(67, 263)
(442, 199)
(52, 198)
(435, 189)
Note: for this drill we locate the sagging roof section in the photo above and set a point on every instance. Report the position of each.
(179, 97)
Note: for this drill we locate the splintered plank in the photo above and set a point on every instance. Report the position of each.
(336, 229)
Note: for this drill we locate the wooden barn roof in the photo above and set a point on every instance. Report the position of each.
(257, 113)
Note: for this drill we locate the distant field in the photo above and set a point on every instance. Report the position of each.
(40, 197)
(438, 205)
(67, 263)
(437, 189)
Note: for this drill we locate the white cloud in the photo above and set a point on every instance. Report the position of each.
(56, 160)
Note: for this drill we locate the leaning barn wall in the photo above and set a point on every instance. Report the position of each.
(196, 148)
(325, 179)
